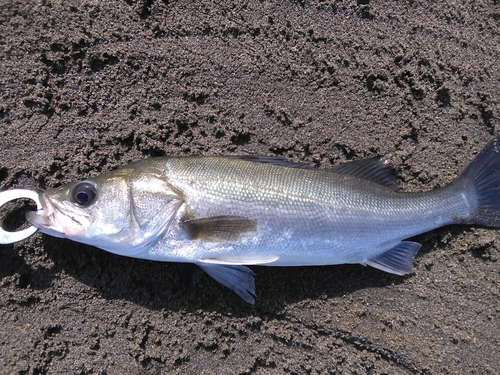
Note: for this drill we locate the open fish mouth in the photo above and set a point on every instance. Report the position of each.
(41, 218)
(50, 219)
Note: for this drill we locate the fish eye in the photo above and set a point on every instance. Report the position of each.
(84, 193)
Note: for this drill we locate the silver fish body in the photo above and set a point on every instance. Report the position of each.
(223, 213)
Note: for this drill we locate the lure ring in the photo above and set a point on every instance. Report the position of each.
(10, 195)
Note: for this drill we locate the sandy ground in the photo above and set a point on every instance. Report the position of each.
(88, 86)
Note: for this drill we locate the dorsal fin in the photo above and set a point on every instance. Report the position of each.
(377, 170)
(273, 160)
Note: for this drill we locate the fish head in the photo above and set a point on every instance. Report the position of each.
(125, 211)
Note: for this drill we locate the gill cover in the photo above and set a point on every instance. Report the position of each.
(153, 202)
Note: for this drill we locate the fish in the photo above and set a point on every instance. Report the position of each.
(225, 213)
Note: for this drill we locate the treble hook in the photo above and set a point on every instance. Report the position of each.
(10, 195)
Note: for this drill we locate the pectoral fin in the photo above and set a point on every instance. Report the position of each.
(398, 260)
(219, 228)
(240, 279)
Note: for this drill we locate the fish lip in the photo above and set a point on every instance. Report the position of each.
(49, 219)
(41, 218)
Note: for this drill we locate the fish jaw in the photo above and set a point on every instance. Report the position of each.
(56, 219)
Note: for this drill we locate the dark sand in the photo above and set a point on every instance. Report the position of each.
(86, 87)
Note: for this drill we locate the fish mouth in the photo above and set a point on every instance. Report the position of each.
(40, 217)
(45, 219)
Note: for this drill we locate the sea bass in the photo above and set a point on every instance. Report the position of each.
(225, 213)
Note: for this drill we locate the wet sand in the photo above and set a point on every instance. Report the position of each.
(87, 86)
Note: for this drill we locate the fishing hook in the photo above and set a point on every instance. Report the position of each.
(10, 195)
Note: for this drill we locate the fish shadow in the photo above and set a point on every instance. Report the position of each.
(159, 286)
(17, 271)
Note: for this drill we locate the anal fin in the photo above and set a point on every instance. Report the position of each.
(398, 260)
(240, 279)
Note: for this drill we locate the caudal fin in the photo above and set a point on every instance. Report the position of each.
(481, 179)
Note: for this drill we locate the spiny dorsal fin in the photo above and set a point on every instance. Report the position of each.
(377, 170)
(219, 228)
(272, 160)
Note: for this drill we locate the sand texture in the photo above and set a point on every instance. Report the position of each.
(88, 86)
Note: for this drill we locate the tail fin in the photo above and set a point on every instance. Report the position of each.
(482, 178)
